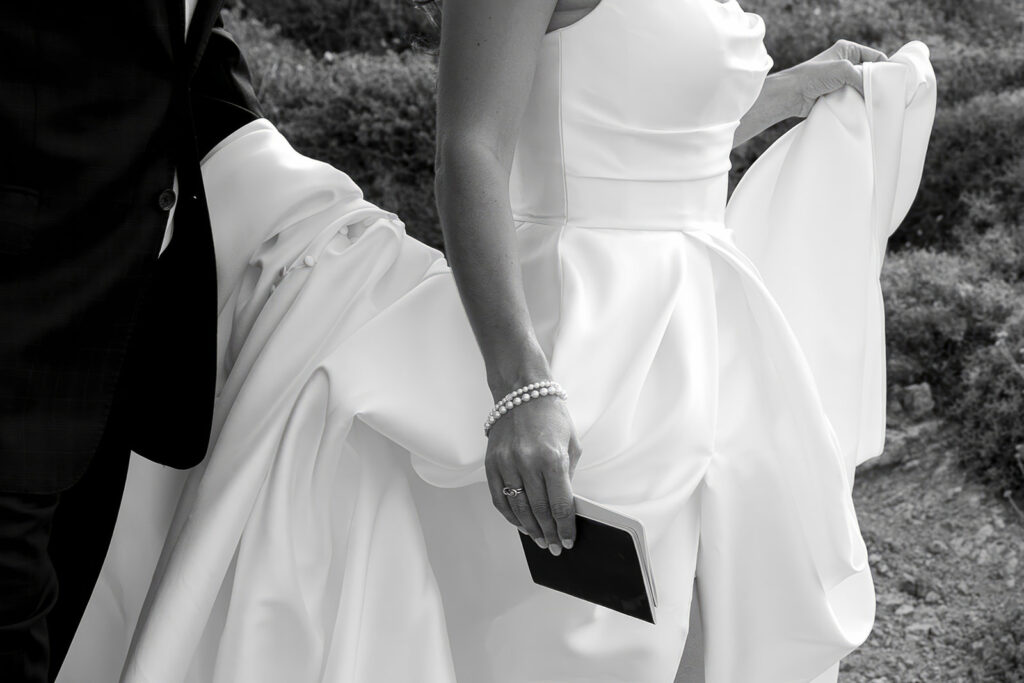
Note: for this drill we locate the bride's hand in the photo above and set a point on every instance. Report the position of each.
(831, 70)
(534, 447)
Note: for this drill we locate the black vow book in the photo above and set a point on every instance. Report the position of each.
(608, 564)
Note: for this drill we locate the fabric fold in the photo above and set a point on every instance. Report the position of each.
(814, 214)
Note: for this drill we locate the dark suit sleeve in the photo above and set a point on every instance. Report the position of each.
(222, 94)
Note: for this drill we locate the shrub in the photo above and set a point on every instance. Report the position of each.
(964, 72)
(999, 251)
(988, 412)
(977, 148)
(799, 29)
(794, 30)
(989, 22)
(372, 116)
(375, 120)
(345, 25)
(939, 309)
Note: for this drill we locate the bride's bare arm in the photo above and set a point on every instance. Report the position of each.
(489, 52)
(794, 91)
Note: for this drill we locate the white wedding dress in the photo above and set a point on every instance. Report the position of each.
(725, 370)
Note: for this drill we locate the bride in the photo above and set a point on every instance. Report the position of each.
(722, 369)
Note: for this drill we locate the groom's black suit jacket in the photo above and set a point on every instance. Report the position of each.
(100, 104)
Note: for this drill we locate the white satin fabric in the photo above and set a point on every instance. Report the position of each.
(724, 381)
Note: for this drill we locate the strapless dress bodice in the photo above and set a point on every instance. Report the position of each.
(632, 114)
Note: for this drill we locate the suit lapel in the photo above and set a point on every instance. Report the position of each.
(203, 19)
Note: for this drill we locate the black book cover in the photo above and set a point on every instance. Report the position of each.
(603, 567)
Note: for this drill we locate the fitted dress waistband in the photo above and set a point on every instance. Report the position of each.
(613, 203)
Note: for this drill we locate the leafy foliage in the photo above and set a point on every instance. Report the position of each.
(799, 29)
(989, 409)
(939, 309)
(373, 26)
(977, 149)
(371, 115)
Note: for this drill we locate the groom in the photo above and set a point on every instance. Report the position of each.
(107, 283)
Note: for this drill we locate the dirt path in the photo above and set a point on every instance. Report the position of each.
(946, 555)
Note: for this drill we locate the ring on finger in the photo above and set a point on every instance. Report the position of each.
(511, 492)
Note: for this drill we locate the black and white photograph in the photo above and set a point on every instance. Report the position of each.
(512, 341)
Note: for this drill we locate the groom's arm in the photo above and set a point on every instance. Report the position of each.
(223, 97)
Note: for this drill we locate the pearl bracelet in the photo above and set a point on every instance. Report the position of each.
(520, 396)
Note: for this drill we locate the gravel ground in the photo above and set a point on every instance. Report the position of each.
(945, 552)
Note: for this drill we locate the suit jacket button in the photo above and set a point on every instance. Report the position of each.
(167, 199)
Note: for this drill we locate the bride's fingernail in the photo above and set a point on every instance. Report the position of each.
(567, 542)
(540, 543)
(523, 531)
(555, 549)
